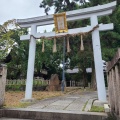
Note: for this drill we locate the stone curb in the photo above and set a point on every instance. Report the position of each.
(107, 108)
(89, 104)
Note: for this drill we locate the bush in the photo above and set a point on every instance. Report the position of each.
(22, 87)
(15, 87)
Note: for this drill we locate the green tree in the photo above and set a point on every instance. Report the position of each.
(6, 40)
(12, 50)
(110, 40)
(61, 5)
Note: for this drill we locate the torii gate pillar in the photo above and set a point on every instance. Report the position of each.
(31, 61)
(98, 61)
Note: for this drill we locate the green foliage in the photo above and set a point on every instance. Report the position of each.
(19, 58)
(15, 87)
(61, 5)
(7, 40)
(110, 40)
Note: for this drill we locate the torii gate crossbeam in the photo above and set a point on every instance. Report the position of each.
(92, 13)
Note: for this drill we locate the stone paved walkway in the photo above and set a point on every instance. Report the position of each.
(72, 102)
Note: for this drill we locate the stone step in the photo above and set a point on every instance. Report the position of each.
(13, 119)
(48, 114)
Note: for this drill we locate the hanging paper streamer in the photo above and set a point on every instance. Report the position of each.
(82, 47)
(54, 46)
(68, 44)
(43, 47)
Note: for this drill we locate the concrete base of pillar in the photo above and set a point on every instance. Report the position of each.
(99, 103)
(32, 100)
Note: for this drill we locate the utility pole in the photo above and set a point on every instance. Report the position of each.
(63, 73)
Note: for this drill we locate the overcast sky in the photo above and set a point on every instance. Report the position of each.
(20, 9)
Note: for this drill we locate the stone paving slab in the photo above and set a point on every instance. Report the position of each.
(55, 107)
(74, 106)
(62, 102)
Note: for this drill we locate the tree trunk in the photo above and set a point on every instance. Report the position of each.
(85, 81)
(93, 78)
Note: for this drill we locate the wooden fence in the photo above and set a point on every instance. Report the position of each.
(73, 83)
(113, 75)
(42, 82)
(23, 82)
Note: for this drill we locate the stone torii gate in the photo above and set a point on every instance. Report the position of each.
(93, 13)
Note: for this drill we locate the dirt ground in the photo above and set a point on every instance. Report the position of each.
(12, 98)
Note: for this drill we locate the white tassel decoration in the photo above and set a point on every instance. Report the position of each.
(54, 46)
(43, 47)
(82, 46)
(68, 45)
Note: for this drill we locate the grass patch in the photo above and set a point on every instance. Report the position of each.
(23, 105)
(85, 106)
(97, 109)
(19, 105)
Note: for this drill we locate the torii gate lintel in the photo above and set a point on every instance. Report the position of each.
(102, 27)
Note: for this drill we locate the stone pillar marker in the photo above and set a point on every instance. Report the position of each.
(31, 61)
(3, 73)
(98, 61)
